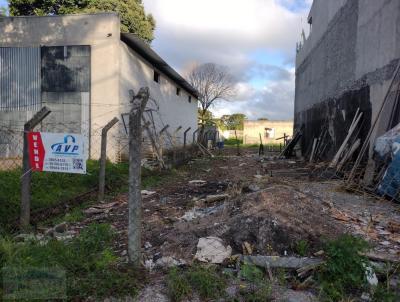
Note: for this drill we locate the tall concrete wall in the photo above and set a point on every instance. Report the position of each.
(168, 107)
(276, 129)
(346, 63)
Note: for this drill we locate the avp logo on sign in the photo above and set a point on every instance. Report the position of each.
(68, 147)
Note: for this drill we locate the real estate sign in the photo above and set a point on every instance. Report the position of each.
(57, 152)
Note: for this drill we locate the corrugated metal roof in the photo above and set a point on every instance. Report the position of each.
(153, 58)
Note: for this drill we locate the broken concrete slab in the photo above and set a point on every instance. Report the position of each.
(212, 250)
(281, 262)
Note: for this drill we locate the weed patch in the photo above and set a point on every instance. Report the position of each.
(206, 281)
(88, 261)
(302, 248)
(344, 270)
(178, 285)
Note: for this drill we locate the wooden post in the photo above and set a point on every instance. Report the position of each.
(135, 157)
(184, 136)
(237, 143)
(103, 157)
(26, 168)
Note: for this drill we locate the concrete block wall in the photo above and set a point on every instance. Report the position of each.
(346, 63)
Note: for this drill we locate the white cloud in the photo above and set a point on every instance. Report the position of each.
(231, 33)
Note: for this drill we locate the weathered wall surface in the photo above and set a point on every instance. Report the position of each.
(345, 64)
(168, 107)
(276, 129)
(100, 32)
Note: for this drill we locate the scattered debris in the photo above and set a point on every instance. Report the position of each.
(93, 211)
(371, 277)
(60, 228)
(168, 262)
(197, 182)
(146, 193)
(214, 198)
(213, 250)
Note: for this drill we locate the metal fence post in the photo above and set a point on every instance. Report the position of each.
(103, 157)
(184, 136)
(135, 158)
(26, 169)
(194, 134)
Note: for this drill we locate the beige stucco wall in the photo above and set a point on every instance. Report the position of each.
(253, 129)
(169, 108)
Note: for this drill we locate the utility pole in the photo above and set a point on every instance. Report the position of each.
(139, 103)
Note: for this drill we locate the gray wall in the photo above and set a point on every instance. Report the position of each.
(347, 62)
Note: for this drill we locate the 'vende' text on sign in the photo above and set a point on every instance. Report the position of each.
(57, 152)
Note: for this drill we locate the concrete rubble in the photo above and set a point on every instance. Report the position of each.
(212, 250)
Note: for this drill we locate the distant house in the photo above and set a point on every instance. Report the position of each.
(272, 132)
(82, 67)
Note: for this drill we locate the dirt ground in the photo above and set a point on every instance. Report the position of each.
(268, 203)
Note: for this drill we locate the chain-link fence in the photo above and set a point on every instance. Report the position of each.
(54, 193)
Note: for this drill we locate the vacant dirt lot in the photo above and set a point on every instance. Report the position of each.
(256, 205)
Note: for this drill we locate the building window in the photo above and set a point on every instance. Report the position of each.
(189, 98)
(269, 133)
(178, 91)
(156, 77)
(310, 22)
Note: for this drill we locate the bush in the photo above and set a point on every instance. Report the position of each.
(233, 142)
(344, 270)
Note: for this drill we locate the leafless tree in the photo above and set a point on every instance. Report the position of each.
(213, 82)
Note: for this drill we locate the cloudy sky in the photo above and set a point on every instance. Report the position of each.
(256, 39)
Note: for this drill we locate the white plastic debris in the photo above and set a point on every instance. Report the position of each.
(192, 214)
(371, 276)
(168, 262)
(213, 250)
(147, 193)
(197, 182)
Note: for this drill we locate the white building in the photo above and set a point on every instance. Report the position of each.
(82, 67)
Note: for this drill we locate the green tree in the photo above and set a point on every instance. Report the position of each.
(234, 121)
(206, 118)
(3, 11)
(132, 14)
